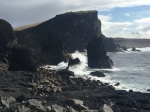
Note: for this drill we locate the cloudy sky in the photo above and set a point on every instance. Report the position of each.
(120, 18)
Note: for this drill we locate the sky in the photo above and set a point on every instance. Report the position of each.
(119, 18)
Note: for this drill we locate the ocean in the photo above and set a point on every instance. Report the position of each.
(131, 69)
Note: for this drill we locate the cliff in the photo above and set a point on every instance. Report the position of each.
(75, 29)
(13, 56)
(7, 36)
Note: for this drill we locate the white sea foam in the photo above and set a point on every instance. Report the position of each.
(144, 49)
(131, 70)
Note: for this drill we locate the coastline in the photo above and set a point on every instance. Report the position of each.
(49, 90)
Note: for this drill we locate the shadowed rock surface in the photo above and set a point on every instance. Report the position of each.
(75, 29)
(7, 36)
(96, 54)
(12, 56)
(21, 58)
(60, 91)
(73, 62)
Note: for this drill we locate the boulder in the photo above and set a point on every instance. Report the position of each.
(107, 108)
(64, 73)
(117, 84)
(96, 54)
(21, 58)
(23, 109)
(38, 105)
(97, 73)
(73, 62)
(7, 101)
(57, 108)
(7, 36)
(134, 49)
(76, 104)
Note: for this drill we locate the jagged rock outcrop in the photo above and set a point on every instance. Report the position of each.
(134, 49)
(109, 44)
(96, 54)
(7, 36)
(12, 56)
(21, 58)
(65, 32)
(73, 62)
(73, 28)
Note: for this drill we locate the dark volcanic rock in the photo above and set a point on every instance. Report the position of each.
(65, 73)
(7, 36)
(96, 53)
(97, 73)
(76, 96)
(21, 58)
(108, 44)
(53, 52)
(72, 30)
(13, 56)
(134, 49)
(73, 62)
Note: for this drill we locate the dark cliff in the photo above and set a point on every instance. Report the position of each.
(12, 55)
(7, 36)
(75, 29)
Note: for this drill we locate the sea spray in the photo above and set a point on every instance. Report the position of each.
(131, 69)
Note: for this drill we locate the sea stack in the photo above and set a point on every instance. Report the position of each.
(96, 53)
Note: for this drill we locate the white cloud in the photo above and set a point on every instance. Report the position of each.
(104, 18)
(139, 28)
(127, 14)
(20, 12)
(143, 21)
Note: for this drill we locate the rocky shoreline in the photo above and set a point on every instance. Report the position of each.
(61, 91)
(26, 87)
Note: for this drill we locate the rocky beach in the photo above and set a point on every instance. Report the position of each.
(26, 86)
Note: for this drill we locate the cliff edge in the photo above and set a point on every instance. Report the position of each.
(75, 29)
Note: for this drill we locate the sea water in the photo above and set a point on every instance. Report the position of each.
(131, 69)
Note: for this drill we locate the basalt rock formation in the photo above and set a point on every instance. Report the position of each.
(7, 36)
(96, 54)
(75, 29)
(12, 56)
(73, 62)
(21, 58)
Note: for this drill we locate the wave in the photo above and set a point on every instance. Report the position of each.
(144, 49)
(125, 75)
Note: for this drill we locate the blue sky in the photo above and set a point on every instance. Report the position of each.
(128, 13)
(120, 18)
(127, 22)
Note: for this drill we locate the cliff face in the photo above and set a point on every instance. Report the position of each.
(13, 56)
(73, 28)
(65, 32)
(96, 54)
(7, 36)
